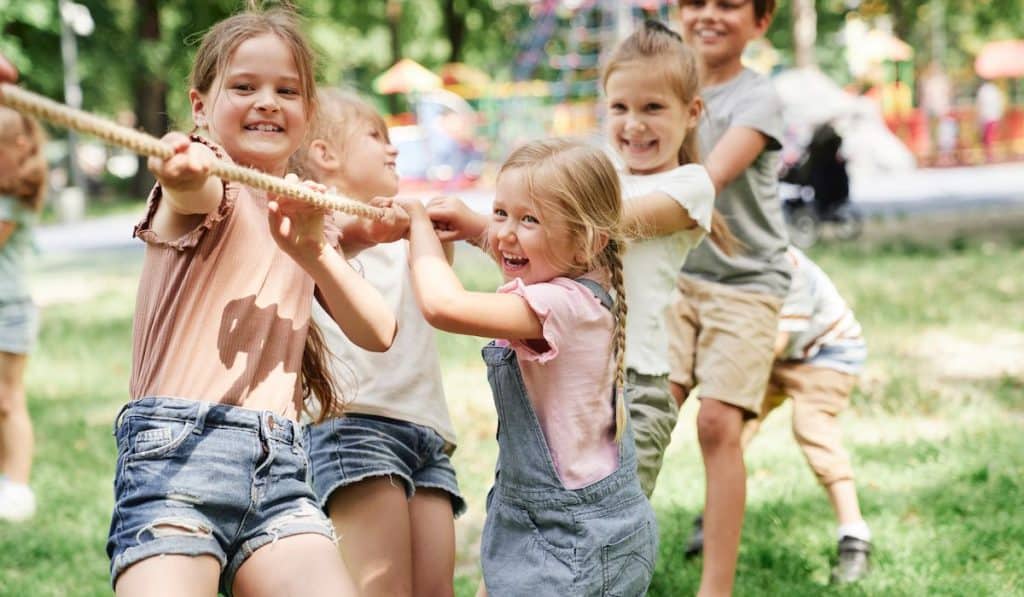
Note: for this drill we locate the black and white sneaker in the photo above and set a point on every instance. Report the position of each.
(854, 560)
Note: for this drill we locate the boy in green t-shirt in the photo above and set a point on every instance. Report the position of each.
(722, 325)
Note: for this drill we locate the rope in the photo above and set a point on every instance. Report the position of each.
(46, 109)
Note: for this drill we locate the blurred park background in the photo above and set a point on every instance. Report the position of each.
(926, 95)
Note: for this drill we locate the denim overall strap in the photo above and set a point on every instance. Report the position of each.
(524, 461)
(599, 292)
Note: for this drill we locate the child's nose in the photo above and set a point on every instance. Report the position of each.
(633, 123)
(267, 100)
(507, 230)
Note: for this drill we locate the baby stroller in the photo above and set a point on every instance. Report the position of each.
(815, 192)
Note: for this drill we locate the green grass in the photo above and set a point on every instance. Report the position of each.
(935, 431)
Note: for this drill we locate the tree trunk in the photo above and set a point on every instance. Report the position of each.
(805, 33)
(455, 28)
(901, 25)
(150, 90)
(394, 13)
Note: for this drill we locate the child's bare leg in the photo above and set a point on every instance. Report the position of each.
(719, 426)
(433, 543)
(170, 576)
(843, 495)
(371, 519)
(16, 440)
(481, 591)
(305, 564)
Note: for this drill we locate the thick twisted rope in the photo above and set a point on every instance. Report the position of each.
(46, 109)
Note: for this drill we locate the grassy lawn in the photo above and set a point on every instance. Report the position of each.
(935, 432)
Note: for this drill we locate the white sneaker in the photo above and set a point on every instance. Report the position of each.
(17, 502)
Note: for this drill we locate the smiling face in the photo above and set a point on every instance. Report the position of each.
(367, 160)
(530, 245)
(719, 30)
(255, 108)
(647, 120)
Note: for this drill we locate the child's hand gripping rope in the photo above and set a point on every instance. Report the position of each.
(185, 173)
(454, 220)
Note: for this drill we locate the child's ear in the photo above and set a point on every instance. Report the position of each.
(761, 25)
(323, 155)
(198, 108)
(695, 109)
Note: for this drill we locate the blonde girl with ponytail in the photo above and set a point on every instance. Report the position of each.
(651, 86)
(566, 514)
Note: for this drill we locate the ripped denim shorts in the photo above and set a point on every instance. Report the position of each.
(197, 478)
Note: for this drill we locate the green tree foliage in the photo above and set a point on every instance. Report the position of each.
(950, 31)
(354, 39)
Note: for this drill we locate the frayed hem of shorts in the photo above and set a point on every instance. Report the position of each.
(158, 547)
(410, 488)
(459, 505)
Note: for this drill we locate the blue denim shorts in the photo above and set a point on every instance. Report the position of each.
(19, 325)
(197, 478)
(348, 449)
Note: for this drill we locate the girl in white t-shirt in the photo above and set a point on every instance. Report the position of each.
(650, 83)
(382, 472)
(566, 515)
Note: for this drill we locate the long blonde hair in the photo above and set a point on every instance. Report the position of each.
(579, 185)
(28, 182)
(656, 47)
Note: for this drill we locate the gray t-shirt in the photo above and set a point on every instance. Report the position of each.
(750, 204)
(14, 252)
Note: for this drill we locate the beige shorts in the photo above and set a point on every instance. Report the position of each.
(819, 394)
(722, 338)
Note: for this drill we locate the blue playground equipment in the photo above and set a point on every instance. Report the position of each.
(570, 37)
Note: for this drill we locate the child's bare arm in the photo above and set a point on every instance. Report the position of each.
(655, 214)
(189, 192)
(447, 305)
(734, 153)
(358, 233)
(453, 221)
(357, 307)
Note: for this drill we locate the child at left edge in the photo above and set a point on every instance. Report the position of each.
(22, 188)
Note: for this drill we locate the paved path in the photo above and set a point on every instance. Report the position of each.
(917, 191)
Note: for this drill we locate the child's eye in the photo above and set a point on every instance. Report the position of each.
(288, 91)
(242, 87)
(531, 220)
(375, 134)
(654, 107)
(499, 213)
(617, 107)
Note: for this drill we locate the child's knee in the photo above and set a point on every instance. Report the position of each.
(719, 424)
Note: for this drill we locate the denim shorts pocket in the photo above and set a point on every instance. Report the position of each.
(154, 437)
(628, 564)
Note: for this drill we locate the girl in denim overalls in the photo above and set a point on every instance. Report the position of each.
(566, 515)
